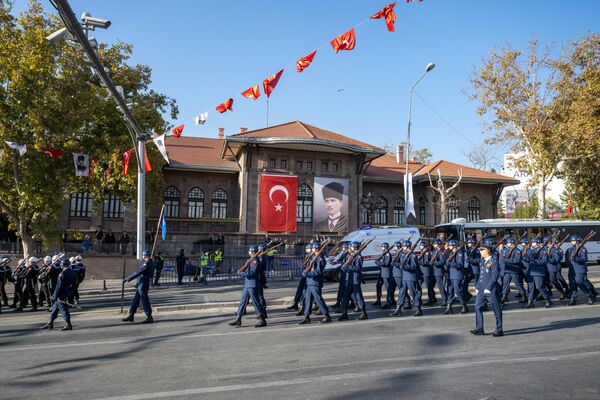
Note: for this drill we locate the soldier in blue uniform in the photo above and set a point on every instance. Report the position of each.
(353, 269)
(298, 297)
(159, 263)
(487, 290)
(426, 278)
(385, 264)
(473, 259)
(537, 260)
(397, 277)
(511, 255)
(555, 257)
(64, 288)
(438, 260)
(456, 275)
(577, 257)
(144, 275)
(30, 284)
(250, 291)
(314, 282)
(262, 276)
(410, 278)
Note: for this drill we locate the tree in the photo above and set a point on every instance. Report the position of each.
(49, 98)
(443, 193)
(480, 156)
(422, 156)
(527, 209)
(515, 92)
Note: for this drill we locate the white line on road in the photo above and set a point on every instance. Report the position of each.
(347, 376)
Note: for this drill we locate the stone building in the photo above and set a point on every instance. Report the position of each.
(212, 185)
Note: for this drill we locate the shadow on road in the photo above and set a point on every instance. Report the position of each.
(565, 324)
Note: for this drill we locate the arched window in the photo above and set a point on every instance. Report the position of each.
(304, 208)
(196, 203)
(380, 215)
(422, 215)
(474, 210)
(113, 207)
(219, 204)
(399, 212)
(452, 210)
(171, 201)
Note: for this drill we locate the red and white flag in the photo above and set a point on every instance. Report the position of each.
(126, 159)
(228, 105)
(270, 83)
(278, 203)
(52, 152)
(346, 41)
(389, 15)
(252, 92)
(178, 130)
(305, 61)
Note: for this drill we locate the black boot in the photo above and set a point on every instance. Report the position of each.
(548, 303)
(562, 296)
(293, 306)
(419, 312)
(464, 309)
(591, 300)
(407, 306)
(306, 320)
(237, 322)
(49, 325)
(363, 316)
(148, 320)
(504, 300)
(522, 300)
(300, 312)
(386, 306)
(357, 309)
(67, 327)
(344, 316)
(128, 318)
(448, 310)
(261, 323)
(572, 302)
(336, 305)
(326, 319)
(530, 304)
(397, 312)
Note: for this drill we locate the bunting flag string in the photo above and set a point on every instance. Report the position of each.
(223, 107)
(346, 41)
(389, 15)
(305, 61)
(270, 83)
(252, 92)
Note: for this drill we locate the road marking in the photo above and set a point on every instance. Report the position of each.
(346, 376)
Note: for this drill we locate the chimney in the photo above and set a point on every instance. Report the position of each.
(243, 130)
(400, 154)
(221, 133)
(413, 159)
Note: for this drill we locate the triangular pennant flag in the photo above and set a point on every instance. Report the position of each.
(82, 164)
(52, 152)
(305, 61)
(160, 145)
(21, 148)
(346, 41)
(270, 83)
(147, 167)
(163, 224)
(126, 158)
(223, 107)
(178, 130)
(390, 16)
(201, 119)
(252, 92)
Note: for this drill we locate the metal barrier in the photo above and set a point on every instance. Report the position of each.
(281, 267)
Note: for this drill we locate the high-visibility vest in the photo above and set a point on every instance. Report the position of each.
(218, 255)
(272, 252)
(203, 260)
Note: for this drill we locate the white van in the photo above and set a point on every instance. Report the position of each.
(388, 234)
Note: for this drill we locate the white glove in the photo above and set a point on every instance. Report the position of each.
(486, 291)
(476, 292)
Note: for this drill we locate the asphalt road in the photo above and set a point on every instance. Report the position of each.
(546, 354)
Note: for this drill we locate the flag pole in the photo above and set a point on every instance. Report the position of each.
(157, 227)
(267, 112)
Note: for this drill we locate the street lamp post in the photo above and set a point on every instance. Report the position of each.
(429, 67)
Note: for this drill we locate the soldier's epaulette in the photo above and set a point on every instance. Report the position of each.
(489, 264)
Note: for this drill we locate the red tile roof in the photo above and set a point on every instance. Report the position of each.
(387, 167)
(451, 170)
(197, 152)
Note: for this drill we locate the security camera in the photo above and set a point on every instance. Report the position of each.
(93, 22)
(58, 35)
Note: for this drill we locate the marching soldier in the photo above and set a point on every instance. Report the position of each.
(555, 257)
(511, 256)
(17, 278)
(577, 257)
(250, 291)
(144, 275)
(537, 259)
(353, 269)
(55, 271)
(487, 291)
(314, 284)
(397, 277)
(30, 284)
(456, 275)
(342, 284)
(5, 273)
(302, 282)
(410, 278)
(79, 269)
(64, 289)
(262, 276)
(473, 260)
(438, 260)
(44, 278)
(426, 277)
(385, 265)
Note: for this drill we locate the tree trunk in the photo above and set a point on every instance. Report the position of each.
(442, 209)
(542, 197)
(26, 239)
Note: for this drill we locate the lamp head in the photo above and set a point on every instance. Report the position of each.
(429, 67)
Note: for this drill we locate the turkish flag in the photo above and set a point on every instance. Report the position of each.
(252, 93)
(278, 203)
(305, 61)
(228, 105)
(52, 152)
(126, 158)
(389, 15)
(147, 166)
(270, 83)
(346, 41)
(178, 130)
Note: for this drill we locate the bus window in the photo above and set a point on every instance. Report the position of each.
(443, 232)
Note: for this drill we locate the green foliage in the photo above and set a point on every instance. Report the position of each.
(50, 98)
(527, 210)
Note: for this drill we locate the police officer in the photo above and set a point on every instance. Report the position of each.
(180, 261)
(144, 275)
(353, 269)
(456, 275)
(577, 257)
(438, 261)
(159, 263)
(555, 257)
(473, 259)
(511, 255)
(64, 288)
(487, 290)
(250, 291)
(30, 284)
(5, 273)
(302, 282)
(410, 278)
(314, 284)
(426, 278)
(537, 260)
(385, 272)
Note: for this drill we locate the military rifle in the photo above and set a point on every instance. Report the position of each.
(262, 253)
(312, 264)
(412, 250)
(563, 241)
(335, 248)
(360, 249)
(510, 253)
(398, 253)
(437, 252)
(584, 241)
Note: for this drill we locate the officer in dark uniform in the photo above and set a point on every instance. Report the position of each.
(180, 261)
(262, 278)
(302, 282)
(426, 278)
(555, 257)
(511, 255)
(343, 279)
(5, 273)
(314, 284)
(250, 291)
(55, 271)
(487, 290)
(473, 259)
(577, 257)
(144, 275)
(385, 273)
(17, 278)
(80, 270)
(537, 270)
(438, 261)
(30, 284)
(456, 275)
(64, 288)
(353, 269)
(410, 278)
(159, 263)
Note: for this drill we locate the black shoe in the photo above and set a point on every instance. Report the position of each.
(548, 303)
(519, 296)
(293, 307)
(572, 302)
(448, 310)
(67, 327)
(530, 304)
(343, 317)
(397, 312)
(49, 325)
(357, 309)
(336, 305)
(407, 307)
(261, 323)
(464, 309)
(386, 306)
(418, 313)
(591, 300)
(363, 316)
(498, 334)
(522, 301)
(148, 320)
(326, 319)
(128, 318)
(504, 300)
(306, 320)
(237, 322)
(562, 296)
(377, 303)
(477, 332)
(300, 312)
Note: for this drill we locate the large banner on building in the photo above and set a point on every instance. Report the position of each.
(330, 212)
(278, 199)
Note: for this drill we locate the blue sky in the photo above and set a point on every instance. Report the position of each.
(203, 52)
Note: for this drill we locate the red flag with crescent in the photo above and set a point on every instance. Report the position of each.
(278, 203)
(52, 152)
(305, 61)
(389, 15)
(252, 92)
(346, 41)
(270, 83)
(223, 107)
